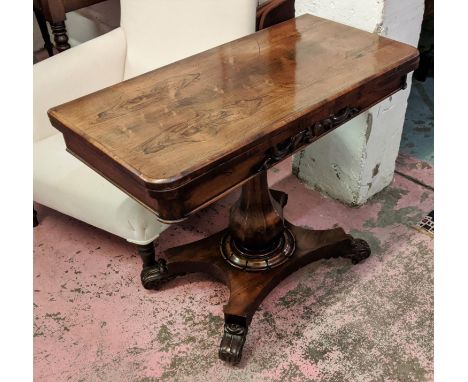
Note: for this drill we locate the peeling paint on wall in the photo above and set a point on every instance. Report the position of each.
(337, 170)
(369, 126)
(375, 171)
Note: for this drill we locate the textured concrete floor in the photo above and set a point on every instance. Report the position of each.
(418, 131)
(330, 321)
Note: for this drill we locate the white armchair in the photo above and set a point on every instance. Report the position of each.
(153, 33)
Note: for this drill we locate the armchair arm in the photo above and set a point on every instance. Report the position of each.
(272, 12)
(84, 69)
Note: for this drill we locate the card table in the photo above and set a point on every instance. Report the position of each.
(180, 137)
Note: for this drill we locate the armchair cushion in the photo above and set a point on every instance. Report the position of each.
(73, 73)
(160, 32)
(65, 184)
(153, 33)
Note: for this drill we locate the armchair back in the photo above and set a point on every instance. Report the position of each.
(159, 32)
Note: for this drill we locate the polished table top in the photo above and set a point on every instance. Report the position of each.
(207, 123)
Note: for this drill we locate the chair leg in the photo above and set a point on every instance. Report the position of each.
(60, 36)
(35, 221)
(154, 272)
(147, 254)
(41, 21)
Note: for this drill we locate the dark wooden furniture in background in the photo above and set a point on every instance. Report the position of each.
(54, 11)
(428, 9)
(180, 137)
(42, 22)
(273, 12)
(426, 44)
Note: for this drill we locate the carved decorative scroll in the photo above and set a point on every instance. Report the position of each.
(232, 343)
(280, 151)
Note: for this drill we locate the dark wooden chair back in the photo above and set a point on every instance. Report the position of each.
(274, 11)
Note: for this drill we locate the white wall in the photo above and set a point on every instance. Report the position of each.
(361, 14)
(358, 159)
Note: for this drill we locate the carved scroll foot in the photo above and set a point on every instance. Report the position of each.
(359, 251)
(152, 277)
(232, 343)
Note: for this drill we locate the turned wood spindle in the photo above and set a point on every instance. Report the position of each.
(60, 36)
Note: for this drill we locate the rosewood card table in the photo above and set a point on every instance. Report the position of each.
(178, 138)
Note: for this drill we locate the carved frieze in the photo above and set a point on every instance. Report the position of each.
(280, 151)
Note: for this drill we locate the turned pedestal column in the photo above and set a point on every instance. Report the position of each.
(257, 238)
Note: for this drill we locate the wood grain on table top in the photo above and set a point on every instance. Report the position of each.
(177, 120)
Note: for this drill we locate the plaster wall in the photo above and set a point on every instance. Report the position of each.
(358, 159)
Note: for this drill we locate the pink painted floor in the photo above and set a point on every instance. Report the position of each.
(330, 321)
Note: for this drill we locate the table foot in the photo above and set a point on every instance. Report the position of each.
(232, 343)
(359, 250)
